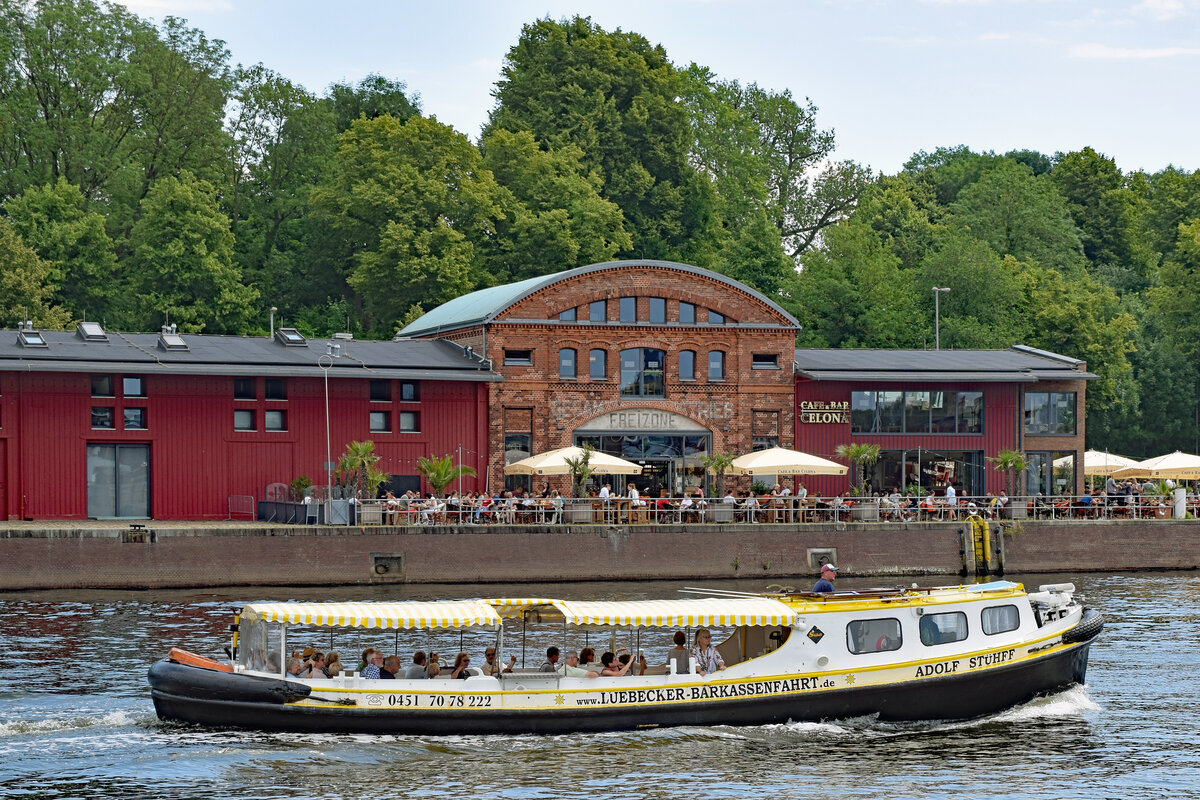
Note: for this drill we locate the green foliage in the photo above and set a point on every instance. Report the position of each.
(441, 472)
(1012, 464)
(356, 467)
(860, 455)
(581, 469)
(372, 97)
(718, 464)
(25, 290)
(299, 487)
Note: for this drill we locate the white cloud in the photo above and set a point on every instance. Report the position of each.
(157, 8)
(1161, 10)
(1103, 51)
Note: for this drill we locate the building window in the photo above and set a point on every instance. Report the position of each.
(135, 419)
(598, 364)
(381, 391)
(598, 311)
(243, 419)
(687, 365)
(1049, 472)
(658, 310)
(243, 389)
(715, 318)
(916, 412)
(133, 386)
(1050, 413)
(102, 386)
(716, 365)
(566, 315)
(102, 417)
(409, 422)
(408, 392)
(765, 361)
(276, 389)
(518, 357)
(381, 422)
(628, 309)
(516, 447)
(275, 420)
(687, 314)
(566, 362)
(642, 372)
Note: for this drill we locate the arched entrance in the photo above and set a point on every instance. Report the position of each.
(668, 446)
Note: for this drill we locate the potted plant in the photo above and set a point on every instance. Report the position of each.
(860, 455)
(1011, 463)
(717, 464)
(576, 509)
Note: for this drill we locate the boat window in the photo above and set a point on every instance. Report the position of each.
(999, 619)
(258, 645)
(943, 628)
(873, 635)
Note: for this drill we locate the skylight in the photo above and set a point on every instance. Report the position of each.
(172, 341)
(291, 337)
(91, 332)
(31, 338)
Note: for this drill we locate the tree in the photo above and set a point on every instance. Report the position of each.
(581, 470)
(718, 464)
(24, 291)
(1085, 178)
(181, 261)
(356, 466)
(441, 472)
(408, 211)
(370, 98)
(1011, 463)
(54, 221)
(860, 455)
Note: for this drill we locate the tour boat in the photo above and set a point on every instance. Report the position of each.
(912, 653)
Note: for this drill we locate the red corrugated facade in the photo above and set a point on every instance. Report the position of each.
(197, 459)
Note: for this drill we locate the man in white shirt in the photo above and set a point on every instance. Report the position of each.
(951, 501)
(571, 668)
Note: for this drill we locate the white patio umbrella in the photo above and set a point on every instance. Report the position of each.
(554, 462)
(781, 461)
(1177, 465)
(1096, 462)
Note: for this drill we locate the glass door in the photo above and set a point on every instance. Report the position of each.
(118, 478)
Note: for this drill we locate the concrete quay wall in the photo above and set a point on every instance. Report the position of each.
(180, 557)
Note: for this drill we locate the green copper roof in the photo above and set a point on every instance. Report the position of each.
(486, 304)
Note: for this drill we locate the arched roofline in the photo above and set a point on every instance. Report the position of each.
(485, 305)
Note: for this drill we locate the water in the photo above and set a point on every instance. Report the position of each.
(76, 719)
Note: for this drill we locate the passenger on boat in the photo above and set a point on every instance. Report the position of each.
(587, 656)
(490, 667)
(679, 654)
(417, 670)
(314, 667)
(391, 668)
(462, 663)
(294, 667)
(707, 658)
(828, 576)
(638, 667)
(612, 665)
(374, 663)
(333, 666)
(434, 667)
(551, 662)
(571, 668)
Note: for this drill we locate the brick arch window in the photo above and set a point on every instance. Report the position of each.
(566, 362)
(642, 372)
(687, 365)
(716, 365)
(598, 364)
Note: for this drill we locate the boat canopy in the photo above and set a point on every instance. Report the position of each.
(441, 614)
(690, 612)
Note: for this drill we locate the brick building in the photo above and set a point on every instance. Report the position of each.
(657, 362)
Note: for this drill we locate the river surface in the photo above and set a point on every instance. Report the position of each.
(76, 718)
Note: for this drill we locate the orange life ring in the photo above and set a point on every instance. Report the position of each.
(193, 660)
(883, 643)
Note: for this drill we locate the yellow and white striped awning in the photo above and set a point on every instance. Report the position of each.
(515, 607)
(439, 614)
(689, 613)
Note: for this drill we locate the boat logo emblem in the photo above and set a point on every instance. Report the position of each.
(816, 634)
(374, 700)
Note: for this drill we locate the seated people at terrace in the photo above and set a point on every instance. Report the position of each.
(417, 670)
(687, 508)
(571, 668)
(556, 506)
(707, 658)
(551, 662)
(491, 668)
(391, 668)
(462, 663)
(612, 667)
(635, 498)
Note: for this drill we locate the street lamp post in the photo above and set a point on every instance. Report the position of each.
(937, 316)
(332, 351)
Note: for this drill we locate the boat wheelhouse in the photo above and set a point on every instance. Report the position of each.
(905, 653)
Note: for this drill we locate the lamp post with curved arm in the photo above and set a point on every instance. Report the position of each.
(325, 362)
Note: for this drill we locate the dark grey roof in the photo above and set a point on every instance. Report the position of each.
(427, 359)
(1017, 364)
(486, 304)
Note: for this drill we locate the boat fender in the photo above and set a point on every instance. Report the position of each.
(1090, 625)
(193, 660)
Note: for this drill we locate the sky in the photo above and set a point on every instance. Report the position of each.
(890, 78)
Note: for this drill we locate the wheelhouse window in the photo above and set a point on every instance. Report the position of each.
(642, 372)
(134, 419)
(566, 315)
(658, 310)
(518, 357)
(102, 386)
(381, 422)
(916, 412)
(628, 309)
(102, 417)
(566, 362)
(765, 361)
(408, 392)
(1050, 413)
(275, 389)
(1000, 619)
(275, 420)
(943, 628)
(133, 386)
(687, 314)
(409, 422)
(873, 635)
(598, 311)
(598, 364)
(243, 389)
(243, 419)
(381, 391)
(716, 365)
(687, 365)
